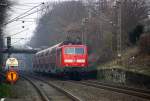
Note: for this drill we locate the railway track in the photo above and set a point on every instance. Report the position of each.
(49, 91)
(39, 91)
(121, 89)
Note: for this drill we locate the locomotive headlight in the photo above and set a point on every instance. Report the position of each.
(68, 60)
(81, 60)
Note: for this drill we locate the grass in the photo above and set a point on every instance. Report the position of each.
(5, 90)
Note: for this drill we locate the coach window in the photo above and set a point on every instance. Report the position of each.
(79, 50)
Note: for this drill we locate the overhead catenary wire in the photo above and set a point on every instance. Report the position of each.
(29, 14)
(19, 8)
(30, 3)
(23, 17)
(23, 5)
(21, 21)
(17, 41)
(18, 38)
(18, 32)
(26, 20)
(16, 26)
(29, 18)
(26, 15)
(23, 14)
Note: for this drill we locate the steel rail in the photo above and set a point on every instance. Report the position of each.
(125, 90)
(40, 92)
(70, 95)
(121, 86)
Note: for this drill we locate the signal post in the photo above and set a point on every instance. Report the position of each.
(11, 74)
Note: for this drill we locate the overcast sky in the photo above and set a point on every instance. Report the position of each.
(27, 32)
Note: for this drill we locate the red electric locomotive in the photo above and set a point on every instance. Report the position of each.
(61, 59)
(74, 56)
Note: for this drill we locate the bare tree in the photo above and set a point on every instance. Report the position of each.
(102, 24)
(133, 12)
(53, 24)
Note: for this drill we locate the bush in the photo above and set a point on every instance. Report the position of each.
(136, 33)
(144, 43)
(5, 90)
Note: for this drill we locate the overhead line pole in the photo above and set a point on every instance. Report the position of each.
(120, 28)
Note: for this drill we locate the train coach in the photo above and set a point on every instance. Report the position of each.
(62, 59)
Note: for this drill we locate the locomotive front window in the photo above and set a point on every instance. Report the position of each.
(79, 50)
(74, 51)
(70, 51)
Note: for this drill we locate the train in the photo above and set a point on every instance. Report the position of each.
(65, 59)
